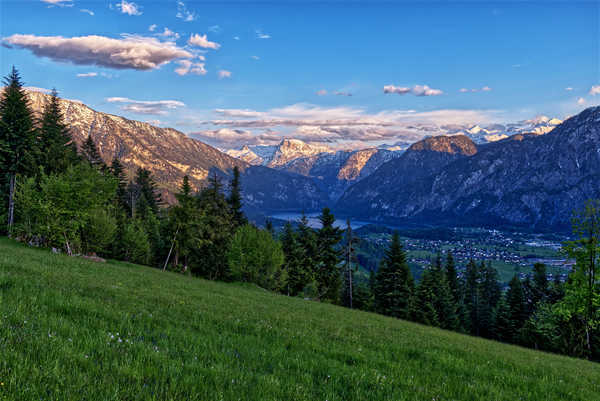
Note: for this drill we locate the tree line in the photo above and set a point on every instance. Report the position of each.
(58, 195)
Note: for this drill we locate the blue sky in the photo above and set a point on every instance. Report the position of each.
(315, 70)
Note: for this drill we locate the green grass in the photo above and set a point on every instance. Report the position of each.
(188, 339)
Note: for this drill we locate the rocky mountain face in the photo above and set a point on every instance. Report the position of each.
(170, 154)
(335, 172)
(278, 155)
(495, 132)
(525, 180)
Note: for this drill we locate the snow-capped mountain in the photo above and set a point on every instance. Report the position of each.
(492, 133)
(278, 155)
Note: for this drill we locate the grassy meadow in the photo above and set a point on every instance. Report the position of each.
(73, 329)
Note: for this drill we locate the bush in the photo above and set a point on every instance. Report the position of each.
(255, 257)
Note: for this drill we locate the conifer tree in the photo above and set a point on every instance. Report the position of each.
(118, 172)
(517, 313)
(19, 147)
(539, 284)
(424, 307)
(149, 197)
(328, 273)
(89, 151)
(348, 269)
(489, 296)
(269, 227)
(297, 276)
(235, 199)
(472, 298)
(444, 303)
(59, 149)
(394, 284)
(452, 277)
(308, 241)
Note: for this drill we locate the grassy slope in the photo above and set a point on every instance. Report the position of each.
(185, 338)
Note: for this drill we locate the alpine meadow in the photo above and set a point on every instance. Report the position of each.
(299, 201)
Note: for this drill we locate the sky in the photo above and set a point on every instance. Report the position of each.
(348, 74)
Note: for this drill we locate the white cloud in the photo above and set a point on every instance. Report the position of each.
(255, 57)
(60, 3)
(463, 90)
(183, 13)
(581, 101)
(214, 29)
(261, 35)
(202, 41)
(342, 93)
(85, 10)
(224, 74)
(340, 127)
(37, 89)
(154, 122)
(417, 90)
(236, 38)
(152, 27)
(322, 92)
(189, 67)
(595, 90)
(168, 34)
(486, 89)
(159, 107)
(474, 90)
(87, 74)
(129, 52)
(568, 88)
(129, 8)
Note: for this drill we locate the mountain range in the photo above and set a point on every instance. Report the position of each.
(477, 175)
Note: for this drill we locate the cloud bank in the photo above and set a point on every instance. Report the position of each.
(417, 90)
(157, 107)
(128, 52)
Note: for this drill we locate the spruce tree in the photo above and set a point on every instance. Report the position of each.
(452, 277)
(89, 151)
(394, 284)
(235, 199)
(328, 273)
(489, 296)
(308, 241)
(539, 285)
(149, 197)
(297, 276)
(118, 172)
(59, 149)
(517, 313)
(19, 148)
(424, 307)
(472, 298)
(444, 303)
(348, 269)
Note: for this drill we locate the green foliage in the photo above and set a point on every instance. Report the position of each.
(328, 272)
(235, 199)
(298, 276)
(89, 152)
(255, 257)
(66, 210)
(135, 243)
(394, 285)
(59, 149)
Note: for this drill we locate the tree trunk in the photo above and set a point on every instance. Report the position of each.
(11, 203)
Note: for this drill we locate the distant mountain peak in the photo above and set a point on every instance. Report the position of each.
(454, 144)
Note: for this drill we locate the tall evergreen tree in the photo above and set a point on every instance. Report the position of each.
(490, 293)
(59, 149)
(149, 197)
(394, 284)
(118, 172)
(308, 241)
(539, 285)
(452, 277)
(348, 269)
(328, 273)
(424, 306)
(89, 151)
(517, 313)
(18, 143)
(235, 199)
(472, 298)
(297, 276)
(444, 303)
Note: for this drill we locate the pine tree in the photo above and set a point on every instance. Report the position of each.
(235, 199)
(539, 285)
(489, 296)
(328, 273)
(183, 227)
(269, 227)
(118, 172)
(452, 277)
(424, 307)
(89, 151)
(472, 298)
(149, 197)
(308, 241)
(394, 284)
(60, 151)
(502, 323)
(444, 303)
(19, 147)
(297, 276)
(348, 269)
(517, 313)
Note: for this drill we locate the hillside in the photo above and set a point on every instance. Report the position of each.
(170, 154)
(74, 329)
(524, 180)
